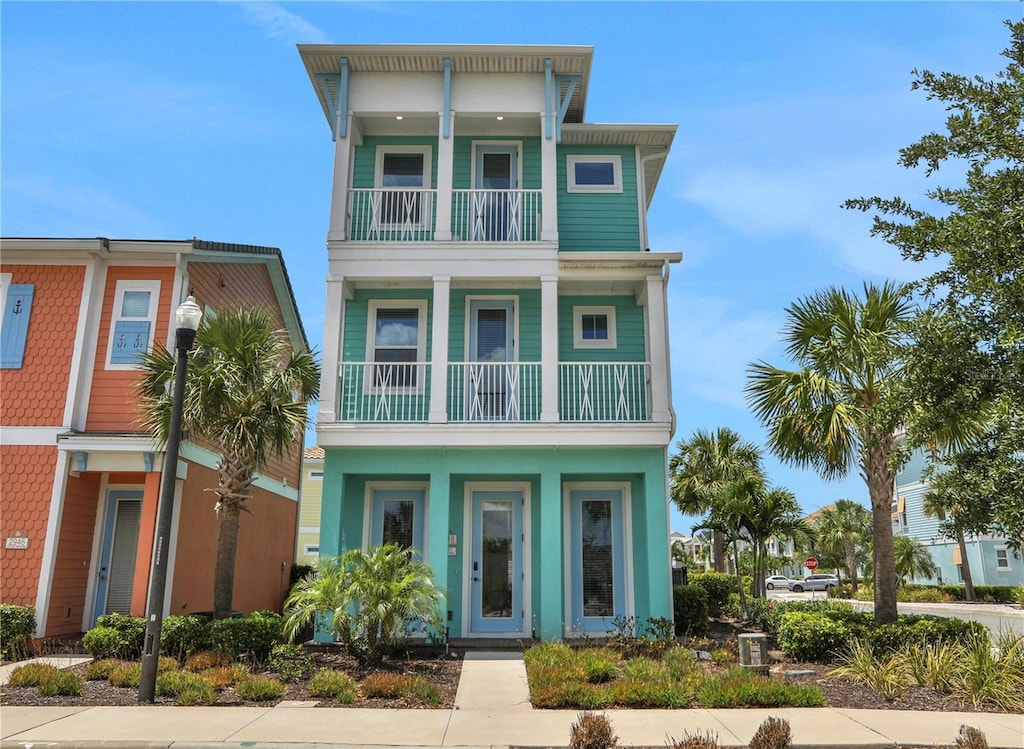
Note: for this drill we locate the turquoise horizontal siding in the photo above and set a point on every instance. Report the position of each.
(596, 222)
(629, 330)
(913, 470)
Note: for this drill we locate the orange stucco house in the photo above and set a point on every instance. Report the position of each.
(79, 480)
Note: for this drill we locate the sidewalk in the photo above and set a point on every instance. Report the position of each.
(491, 710)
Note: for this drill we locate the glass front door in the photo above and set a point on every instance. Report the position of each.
(496, 202)
(497, 563)
(492, 378)
(598, 562)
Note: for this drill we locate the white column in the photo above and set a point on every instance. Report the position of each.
(549, 187)
(549, 348)
(445, 167)
(338, 228)
(334, 318)
(439, 351)
(657, 323)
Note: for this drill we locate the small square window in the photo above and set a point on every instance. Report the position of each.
(593, 327)
(1002, 559)
(593, 173)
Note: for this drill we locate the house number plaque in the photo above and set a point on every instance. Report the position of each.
(16, 542)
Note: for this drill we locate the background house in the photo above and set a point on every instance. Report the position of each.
(992, 560)
(496, 367)
(80, 480)
(307, 547)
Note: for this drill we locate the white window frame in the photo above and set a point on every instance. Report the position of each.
(572, 159)
(428, 171)
(1005, 559)
(369, 382)
(5, 283)
(578, 341)
(316, 474)
(153, 287)
(311, 550)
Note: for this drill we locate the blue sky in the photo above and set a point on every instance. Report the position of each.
(173, 120)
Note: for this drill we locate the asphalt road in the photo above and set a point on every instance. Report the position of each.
(997, 617)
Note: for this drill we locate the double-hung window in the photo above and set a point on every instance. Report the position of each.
(1002, 558)
(403, 176)
(396, 339)
(593, 327)
(593, 173)
(133, 322)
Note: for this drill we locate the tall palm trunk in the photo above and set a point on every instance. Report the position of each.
(739, 579)
(879, 479)
(718, 550)
(851, 564)
(965, 565)
(236, 476)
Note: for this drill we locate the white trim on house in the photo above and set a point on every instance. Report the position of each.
(49, 541)
(477, 144)
(426, 179)
(372, 307)
(468, 337)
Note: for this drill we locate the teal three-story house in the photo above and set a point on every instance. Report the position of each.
(496, 368)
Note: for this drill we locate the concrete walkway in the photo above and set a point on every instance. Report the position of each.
(492, 710)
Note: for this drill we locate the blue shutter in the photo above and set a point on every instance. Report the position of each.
(131, 339)
(17, 310)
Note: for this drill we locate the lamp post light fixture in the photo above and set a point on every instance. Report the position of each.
(186, 322)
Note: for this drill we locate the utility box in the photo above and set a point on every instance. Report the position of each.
(754, 652)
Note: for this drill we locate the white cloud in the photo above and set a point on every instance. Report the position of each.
(278, 23)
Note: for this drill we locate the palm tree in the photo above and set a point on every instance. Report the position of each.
(844, 529)
(246, 393)
(702, 466)
(371, 597)
(938, 504)
(835, 412)
(911, 558)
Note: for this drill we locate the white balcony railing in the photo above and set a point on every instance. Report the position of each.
(505, 391)
(379, 392)
(599, 391)
(496, 215)
(617, 392)
(391, 214)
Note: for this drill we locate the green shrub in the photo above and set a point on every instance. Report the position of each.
(886, 674)
(17, 627)
(104, 642)
(924, 595)
(639, 692)
(588, 696)
(252, 636)
(922, 629)
(1018, 595)
(100, 670)
(599, 664)
(31, 674)
(133, 628)
(222, 676)
(171, 683)
(334, 684)
(180, 636)
(680, 663)
(127, 675)
(206, 659)
(260, 689)
(61, 683)
(196, 694)
(812, 637)
(290, 662)
(718, 586)
(744, 688)
(690, 608)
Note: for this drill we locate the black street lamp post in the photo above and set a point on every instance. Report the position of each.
(186, 321)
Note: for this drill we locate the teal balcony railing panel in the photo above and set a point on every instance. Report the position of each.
(392, 215)
(494, 391)
(496, 215)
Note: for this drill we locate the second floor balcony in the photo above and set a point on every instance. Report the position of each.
(505, 392)
(412, 215)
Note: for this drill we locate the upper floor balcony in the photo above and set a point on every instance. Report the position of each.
(410, 215)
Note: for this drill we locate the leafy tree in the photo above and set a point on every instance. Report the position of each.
(912, 558)
(844, 529)
(372, 597)
(968, 356)
(700, 469)
(246, 393)
(833, 413)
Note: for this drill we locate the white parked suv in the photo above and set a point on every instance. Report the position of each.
(814, 582)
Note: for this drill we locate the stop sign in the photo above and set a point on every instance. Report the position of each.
(811, 563)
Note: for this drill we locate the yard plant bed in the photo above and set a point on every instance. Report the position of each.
(441, 673)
